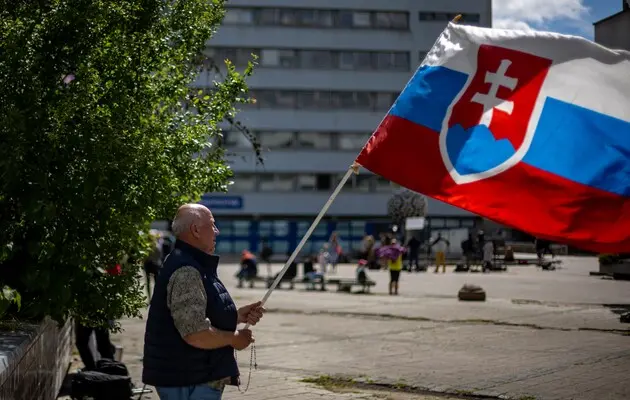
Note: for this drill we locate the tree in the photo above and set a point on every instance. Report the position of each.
(101, 134)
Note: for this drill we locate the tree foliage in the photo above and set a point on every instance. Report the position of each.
(100, 134)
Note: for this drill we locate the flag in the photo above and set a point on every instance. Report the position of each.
(529, 129)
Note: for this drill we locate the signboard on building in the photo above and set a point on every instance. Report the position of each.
(222, 202)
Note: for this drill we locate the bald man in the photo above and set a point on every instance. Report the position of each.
(191, 329)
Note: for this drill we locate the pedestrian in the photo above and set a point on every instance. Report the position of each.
(441, 246)
(413, 246)
(392, 254)
(191, 330)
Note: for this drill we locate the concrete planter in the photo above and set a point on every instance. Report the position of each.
(34, 359)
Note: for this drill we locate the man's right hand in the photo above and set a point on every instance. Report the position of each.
(242, 339)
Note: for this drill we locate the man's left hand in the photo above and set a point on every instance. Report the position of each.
(251, 314)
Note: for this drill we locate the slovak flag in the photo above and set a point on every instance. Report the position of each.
(529, 129)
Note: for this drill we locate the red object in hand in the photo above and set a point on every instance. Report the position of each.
(117, 270)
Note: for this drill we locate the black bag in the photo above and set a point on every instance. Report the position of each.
(111, 367)
(100, 386)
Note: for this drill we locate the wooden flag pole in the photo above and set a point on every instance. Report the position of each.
(354, 168)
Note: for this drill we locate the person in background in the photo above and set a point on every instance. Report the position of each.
(413, 246)
(488, 255)
(362, 277)
(104, 344)
(312, 275)
(441, 246)
(334, 251)
(392, 254)
(289, 275)
(323, 258)
(249, 269)
(265, 255)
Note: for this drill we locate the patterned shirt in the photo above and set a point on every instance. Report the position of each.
(186, 299)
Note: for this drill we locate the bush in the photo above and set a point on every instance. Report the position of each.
(95, 144)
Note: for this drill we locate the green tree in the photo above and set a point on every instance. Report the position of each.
(101, 134)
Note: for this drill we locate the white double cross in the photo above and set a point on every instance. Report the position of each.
(490, 101)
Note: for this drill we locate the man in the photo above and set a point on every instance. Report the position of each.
(191, 328)
(440, 245)
(414, 250)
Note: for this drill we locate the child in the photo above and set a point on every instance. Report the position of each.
(362, 277)
(323, 258)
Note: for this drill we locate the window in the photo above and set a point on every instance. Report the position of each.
(306, 183)
(276, 183)
(270, 58)
(362, 183)
(324, 182)
(243, 183)
(240, 245)
(268, 16)
(382, 185)
(236, 140)
(452, 223)
(309, 18)
(288, 59)
(361, 19)
(241, 228)
(422, 55)
(316, 59)
(314, 140)
(384, 101)
(276, 140)
(238, 16)
(280, 228)
(437, 222)
(448, 16)
(286, 99)
(224, 246)
(391, 20)
(352, 140)
(322, 100)
(468, 223)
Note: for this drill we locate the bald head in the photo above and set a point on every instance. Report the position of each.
(194, 224)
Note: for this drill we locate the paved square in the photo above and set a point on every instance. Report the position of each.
(541, 334)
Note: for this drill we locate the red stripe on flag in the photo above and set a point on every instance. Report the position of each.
(524, 197)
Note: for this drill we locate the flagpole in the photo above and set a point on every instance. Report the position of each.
(354, 168)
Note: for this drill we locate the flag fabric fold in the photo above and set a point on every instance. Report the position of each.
(529, 129)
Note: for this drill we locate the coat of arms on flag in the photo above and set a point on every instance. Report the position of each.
(530, 129)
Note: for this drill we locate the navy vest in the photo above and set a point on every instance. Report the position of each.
(168, 359)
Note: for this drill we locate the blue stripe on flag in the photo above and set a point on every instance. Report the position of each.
(428, 95)
(582, 145)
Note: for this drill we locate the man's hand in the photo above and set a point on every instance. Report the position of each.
(242, 338)
(251, 314)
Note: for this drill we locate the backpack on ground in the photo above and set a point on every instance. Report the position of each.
(110, 381)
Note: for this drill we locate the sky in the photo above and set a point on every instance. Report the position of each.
(573, 17)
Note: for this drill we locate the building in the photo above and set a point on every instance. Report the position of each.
(614, 31)
(327, 73)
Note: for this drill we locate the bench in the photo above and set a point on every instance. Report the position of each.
(346, 284)
(257, 279)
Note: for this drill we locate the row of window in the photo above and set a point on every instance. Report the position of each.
(321, 100)
(310, 18)
(315, 59)
(467, 18)
(267, 182)
(283, 235)
(339, 19)
(297, 140)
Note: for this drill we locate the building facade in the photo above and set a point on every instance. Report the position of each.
(614, 31)
(327, 73)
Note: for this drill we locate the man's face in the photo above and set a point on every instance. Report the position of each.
(207, 232)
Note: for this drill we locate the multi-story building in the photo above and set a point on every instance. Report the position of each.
(327, 73)
(614, 31)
